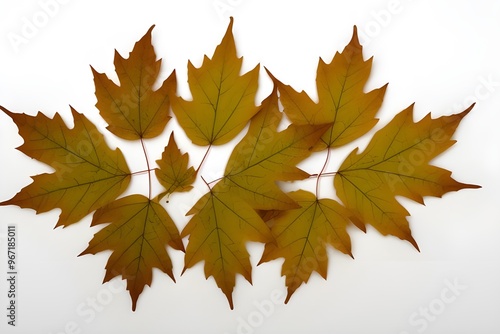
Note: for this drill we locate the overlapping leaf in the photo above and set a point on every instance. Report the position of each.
(138, 233)
(132, 109)
(396, 163)
(87, 176)
(223, 100)
(265, 156)
(222, 223)
(342, 101)
(301, 236)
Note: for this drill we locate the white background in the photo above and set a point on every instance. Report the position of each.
(441, 54)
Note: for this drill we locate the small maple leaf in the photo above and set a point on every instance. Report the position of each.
(140, 230)
(396, 163)
(301, 236)
(223, 101)
(88, 174)
(132, 109)
(221, 225)
(173, 172)
(342, 101)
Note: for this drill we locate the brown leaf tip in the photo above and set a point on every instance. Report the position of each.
(355, 39)
(147, 35)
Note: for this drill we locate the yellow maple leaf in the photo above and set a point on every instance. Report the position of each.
(265, 156)
(223, 100)
(396, 163)
(341, 99)
(132, 109)
(173, 172)
(88, 174)
(138, 233)
(221, 225)
(301, 236)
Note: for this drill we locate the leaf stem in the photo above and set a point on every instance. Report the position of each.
(140, 172)
(204, 158)
(323, 174)
(149, 168)
(322, 171)
(206, 183)
(216, 180)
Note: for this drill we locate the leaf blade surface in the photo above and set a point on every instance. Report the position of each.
(88, 174)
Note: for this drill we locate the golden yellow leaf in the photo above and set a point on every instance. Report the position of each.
(138, 233)
(88, 174)
(223, 100)
(396, 163)
(302, 235)
(265, 156)
(132, 109)
(221, 225)
(341, 99)
(173, 172)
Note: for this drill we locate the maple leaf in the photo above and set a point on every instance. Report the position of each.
(396, 163)
(173, 172)
(265, 156)
(221, 224)
(139, 232)
(223, 101)
(342, 101)
(301, 236)
(88, 174)
(132, 109)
